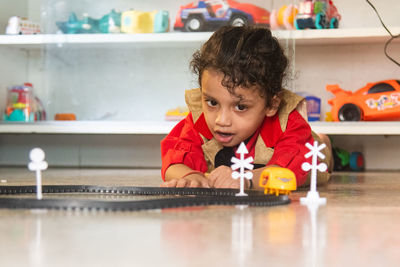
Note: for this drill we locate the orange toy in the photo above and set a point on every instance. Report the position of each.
(283, 18)
(279, 181)
(65, 117)
(374, 102)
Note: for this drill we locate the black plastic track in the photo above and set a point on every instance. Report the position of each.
(202, 197)
(122, 190)
(75, 204)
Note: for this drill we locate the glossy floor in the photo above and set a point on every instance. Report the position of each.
(359, 226)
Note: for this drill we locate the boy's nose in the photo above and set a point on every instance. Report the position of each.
(223, 118)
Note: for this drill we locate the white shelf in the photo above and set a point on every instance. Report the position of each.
(164, 127)
(338, 36)
(88, 127)
(301, 37)
(357, 128)
(144, 39)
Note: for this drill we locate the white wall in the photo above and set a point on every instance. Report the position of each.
(359, 14)
(134, 151)
(118, 83)
(10, 8)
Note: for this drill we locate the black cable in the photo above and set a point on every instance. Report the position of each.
(392, 37)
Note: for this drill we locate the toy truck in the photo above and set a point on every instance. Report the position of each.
(279, 181)
(209, 15)
(17, 25)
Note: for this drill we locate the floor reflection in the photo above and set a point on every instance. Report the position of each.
(36, 253)
(314, 236)
(242, 234)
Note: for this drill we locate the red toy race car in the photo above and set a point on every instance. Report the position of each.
(317, 14)
(374, 102)
(209, 15)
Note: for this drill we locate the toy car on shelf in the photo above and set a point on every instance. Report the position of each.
(374, 102)
(209, 15)
(18, 25)
(279, 181)
(317, 14)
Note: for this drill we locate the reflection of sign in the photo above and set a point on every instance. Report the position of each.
(384, 102)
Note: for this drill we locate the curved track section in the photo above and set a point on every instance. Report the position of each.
(198, 197)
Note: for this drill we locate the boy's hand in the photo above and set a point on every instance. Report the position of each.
(221, 177)
(192, 180)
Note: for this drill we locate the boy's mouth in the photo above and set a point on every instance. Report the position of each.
(223, 137)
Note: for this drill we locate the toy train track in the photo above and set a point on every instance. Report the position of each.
(121, 190)
(188, 197)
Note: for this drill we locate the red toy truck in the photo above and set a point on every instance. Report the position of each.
(211, 14)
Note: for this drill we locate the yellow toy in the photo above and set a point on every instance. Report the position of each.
(283, 18)
(279, 181)
(134, 21)
(328, 116)
(176, 114)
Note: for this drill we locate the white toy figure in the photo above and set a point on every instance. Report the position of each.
(13, 26)
(37, 164)
(312, 195)
(242, 164)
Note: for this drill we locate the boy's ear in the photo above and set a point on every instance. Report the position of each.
(275, 103)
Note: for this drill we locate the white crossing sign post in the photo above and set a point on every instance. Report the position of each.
(242, 164)
(315, 153)
(37, 164)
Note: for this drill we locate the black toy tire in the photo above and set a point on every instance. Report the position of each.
(349, 112)
(194, 24)
(334, 24)
(321, 23)
(238, 20)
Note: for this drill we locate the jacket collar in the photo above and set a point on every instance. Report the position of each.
(266, 138)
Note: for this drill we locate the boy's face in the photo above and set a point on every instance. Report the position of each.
(231, 118)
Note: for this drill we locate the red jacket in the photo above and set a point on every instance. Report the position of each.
(184, 144)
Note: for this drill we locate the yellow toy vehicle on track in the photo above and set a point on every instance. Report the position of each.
(278, 180)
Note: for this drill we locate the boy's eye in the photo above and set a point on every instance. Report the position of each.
(240, 107)
(211, 103)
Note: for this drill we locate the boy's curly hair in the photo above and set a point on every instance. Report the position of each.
(247, 56)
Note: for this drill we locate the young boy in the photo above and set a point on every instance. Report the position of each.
(240, 72)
